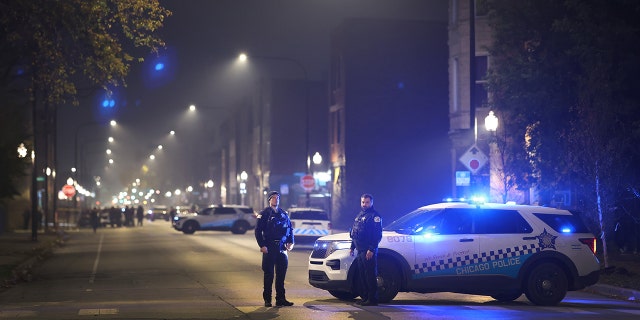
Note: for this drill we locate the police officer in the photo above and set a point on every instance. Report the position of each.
(274, 234)
(366, 234)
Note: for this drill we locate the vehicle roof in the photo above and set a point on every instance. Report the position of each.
(229, 206)
(293, 209)
(518, 207)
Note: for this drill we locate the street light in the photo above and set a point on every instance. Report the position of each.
(243, 57)
(112, 123)
(491, 124)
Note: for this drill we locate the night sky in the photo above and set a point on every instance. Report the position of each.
(203, 40)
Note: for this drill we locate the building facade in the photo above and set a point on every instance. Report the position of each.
(388, 120)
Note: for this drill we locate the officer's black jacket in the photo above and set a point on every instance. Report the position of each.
(273, 226)
(366, 232)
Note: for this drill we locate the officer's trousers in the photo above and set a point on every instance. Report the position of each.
(368, 273)
(279, 260)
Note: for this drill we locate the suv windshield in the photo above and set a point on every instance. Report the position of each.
(412, 222)
(308, 215)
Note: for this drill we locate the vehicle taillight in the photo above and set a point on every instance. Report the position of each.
(591, 242)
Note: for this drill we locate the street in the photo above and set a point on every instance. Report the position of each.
(155, 272)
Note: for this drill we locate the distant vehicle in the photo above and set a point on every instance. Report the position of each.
(309, 223)
(235, 218)
(498, 250)
(104, 218)
(158, 212)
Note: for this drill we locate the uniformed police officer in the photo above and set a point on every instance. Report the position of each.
(366, 234)
(274, 234)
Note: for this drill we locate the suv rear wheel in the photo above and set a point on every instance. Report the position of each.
(546, 285)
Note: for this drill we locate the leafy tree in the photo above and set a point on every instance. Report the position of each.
(50, 47)
(564, 76)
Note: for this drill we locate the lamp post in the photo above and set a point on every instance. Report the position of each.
(243, 57)
(491, 124)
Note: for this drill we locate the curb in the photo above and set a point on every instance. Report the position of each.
(614, 292)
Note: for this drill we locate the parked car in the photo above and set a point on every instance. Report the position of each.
(235, 218)
(158, 212)
(309, 223)
(498, 250)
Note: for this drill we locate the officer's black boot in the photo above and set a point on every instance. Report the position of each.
(283, 303)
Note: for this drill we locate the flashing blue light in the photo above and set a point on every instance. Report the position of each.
(566, 230)
(105, 103)
(112, 103)
(108, 103)
(159, 66)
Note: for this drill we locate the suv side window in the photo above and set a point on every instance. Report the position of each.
(225, 210)
(491, 221)
(563, 223)
(453, 221)
(206, 212)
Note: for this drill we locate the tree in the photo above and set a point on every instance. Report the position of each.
(49, 47)
(564, 76)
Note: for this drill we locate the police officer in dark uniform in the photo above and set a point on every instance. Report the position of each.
(274, 234)
(366, 234)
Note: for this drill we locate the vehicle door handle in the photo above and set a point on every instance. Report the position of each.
(466, 240)
(529, 238)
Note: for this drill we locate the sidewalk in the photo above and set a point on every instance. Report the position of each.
(19, 254)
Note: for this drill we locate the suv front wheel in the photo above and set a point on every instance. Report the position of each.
(240, 227)
(189, 227)
(546, 285)
(388, 280)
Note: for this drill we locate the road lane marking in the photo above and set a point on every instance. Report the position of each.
(92, 278)
(97, 312)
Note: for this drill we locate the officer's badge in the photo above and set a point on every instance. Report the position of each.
(377, 219)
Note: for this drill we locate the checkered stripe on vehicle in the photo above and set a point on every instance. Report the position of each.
(443, 264)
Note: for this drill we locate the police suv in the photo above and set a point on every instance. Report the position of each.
(235, 218)
(498, 250)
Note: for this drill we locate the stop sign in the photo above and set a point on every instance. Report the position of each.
(68, 190)
(307, 182)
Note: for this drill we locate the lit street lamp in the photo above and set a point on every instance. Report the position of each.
(491, 124)
(243, 57)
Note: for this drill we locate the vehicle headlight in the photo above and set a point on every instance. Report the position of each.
(338, 245)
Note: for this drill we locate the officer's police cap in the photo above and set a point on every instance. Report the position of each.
(271, 194)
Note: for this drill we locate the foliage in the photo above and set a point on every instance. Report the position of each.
(48, 48)
(564, 77)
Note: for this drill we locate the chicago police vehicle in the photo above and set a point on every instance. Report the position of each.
(498, 250)
(225, 217)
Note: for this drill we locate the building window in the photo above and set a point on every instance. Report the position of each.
(481, 94)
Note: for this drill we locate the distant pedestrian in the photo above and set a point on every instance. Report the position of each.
(274, 234)
(140, 215)
(94, 219)
(366, 234)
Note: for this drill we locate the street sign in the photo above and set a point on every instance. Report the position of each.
(474, 159)
(68, 190)
(307, 182)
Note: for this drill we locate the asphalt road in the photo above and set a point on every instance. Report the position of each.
(155, 272)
